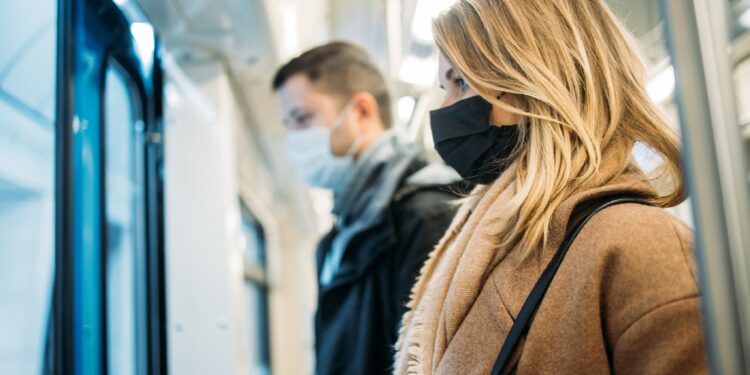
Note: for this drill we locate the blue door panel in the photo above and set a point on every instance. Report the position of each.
(97, 32)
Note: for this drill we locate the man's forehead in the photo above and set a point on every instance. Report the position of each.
(294, 93)
(296, 86)
(299, 88)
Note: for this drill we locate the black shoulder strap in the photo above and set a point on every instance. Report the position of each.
(521, 324)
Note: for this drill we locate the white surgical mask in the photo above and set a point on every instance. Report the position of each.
(309, 151)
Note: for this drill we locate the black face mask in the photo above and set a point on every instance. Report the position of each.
(466, 140)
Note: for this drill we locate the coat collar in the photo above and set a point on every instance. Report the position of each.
(382, 233)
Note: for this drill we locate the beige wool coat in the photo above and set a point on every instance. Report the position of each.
(625, 299)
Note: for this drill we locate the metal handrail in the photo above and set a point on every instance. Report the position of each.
(698, 36)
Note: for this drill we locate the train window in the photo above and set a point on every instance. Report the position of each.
(27, 96)
(125, 214)
(742, 89)
(740, 10)
(741, 50)
(256, 282)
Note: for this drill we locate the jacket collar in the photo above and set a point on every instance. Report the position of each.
(377, 175)
(364, 208)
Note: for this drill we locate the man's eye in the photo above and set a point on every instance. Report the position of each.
(303, 120)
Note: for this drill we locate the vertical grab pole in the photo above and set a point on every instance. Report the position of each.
(63, 353)
(698, 38)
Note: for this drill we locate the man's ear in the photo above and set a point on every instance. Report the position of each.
(366, 106)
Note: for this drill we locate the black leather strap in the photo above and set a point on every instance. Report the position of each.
(522, 322)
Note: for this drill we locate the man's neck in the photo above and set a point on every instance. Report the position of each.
(369, 140)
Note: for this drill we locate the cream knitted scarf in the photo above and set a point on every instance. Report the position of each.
(462, 260)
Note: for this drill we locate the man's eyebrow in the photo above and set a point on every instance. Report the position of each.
(296, 112)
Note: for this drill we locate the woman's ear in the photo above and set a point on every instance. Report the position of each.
(499, 116)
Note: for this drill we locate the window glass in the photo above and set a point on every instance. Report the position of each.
(740, 15)
(258, 329)
(645, 20)
(740, 12)
(256, 293)
(254, 239)
(125, 212)
(742, 86)
(27, 54)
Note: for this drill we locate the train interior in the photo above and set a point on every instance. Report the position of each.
(149, 219)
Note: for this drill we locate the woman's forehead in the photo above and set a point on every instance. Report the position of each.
(444, 65)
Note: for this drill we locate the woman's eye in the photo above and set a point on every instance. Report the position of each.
(462, 85)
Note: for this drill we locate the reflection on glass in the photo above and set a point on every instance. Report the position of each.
(257, 296)
(27, 54)
(125, 211)
(740, 10)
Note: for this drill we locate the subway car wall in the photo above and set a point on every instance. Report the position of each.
(150, 222)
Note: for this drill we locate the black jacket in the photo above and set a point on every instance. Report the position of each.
(359, 313)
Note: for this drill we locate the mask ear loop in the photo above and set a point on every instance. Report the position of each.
(339, 121)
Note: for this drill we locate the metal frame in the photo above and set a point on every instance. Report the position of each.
(698, 37)
(62, 335)
(155, 257)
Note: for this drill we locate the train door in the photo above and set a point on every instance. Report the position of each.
(709, 46)
(109, 280)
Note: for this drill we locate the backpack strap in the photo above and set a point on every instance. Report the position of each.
(522, 322)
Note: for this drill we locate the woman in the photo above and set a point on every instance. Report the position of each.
(563, 88)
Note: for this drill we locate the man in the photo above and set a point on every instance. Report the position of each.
(391, 205)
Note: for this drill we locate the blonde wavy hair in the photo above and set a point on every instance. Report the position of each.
(579, 83)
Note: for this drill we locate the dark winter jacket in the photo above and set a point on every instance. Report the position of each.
(360, 309)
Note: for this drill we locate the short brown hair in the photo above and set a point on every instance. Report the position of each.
(340, 69)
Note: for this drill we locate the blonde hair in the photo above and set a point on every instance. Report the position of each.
(579, 84)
